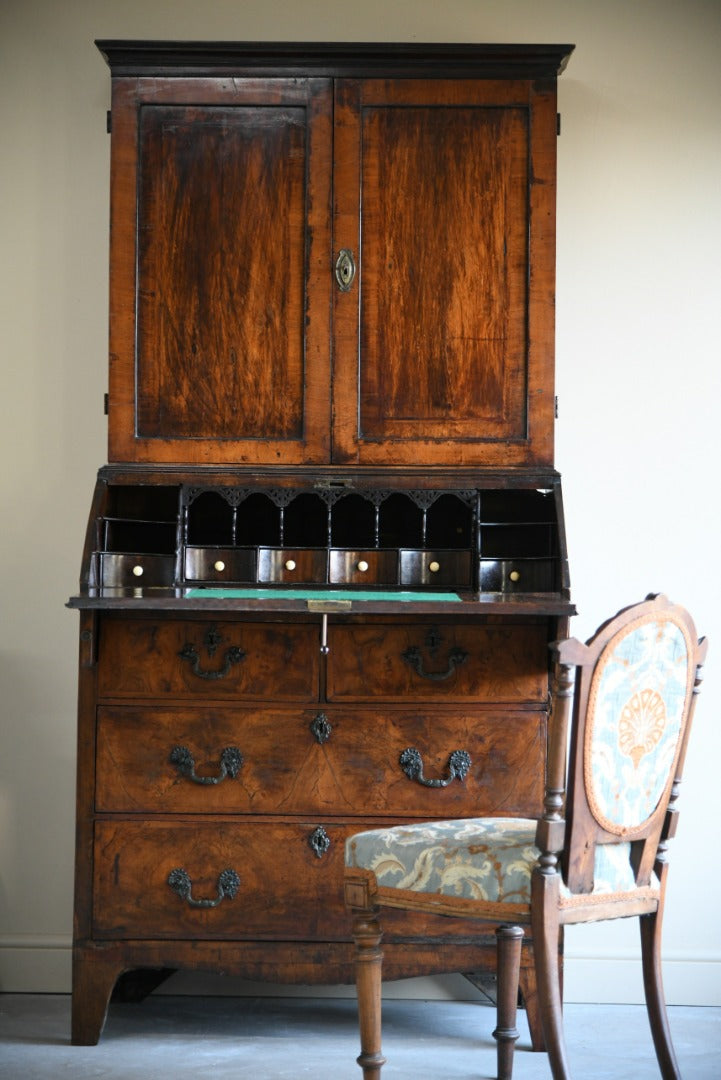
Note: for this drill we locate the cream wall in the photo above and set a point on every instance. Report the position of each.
(639, 235)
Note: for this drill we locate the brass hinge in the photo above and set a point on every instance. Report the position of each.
(106, 403)
(555, 406)
(108, 121)
(558, 123)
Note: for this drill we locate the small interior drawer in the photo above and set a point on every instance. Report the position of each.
(220, 564)
(141, 570)
(292, 565)
(518, 575)
(447, 567)
(363, 567)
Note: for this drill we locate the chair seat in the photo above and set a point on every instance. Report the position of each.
(476, 858)
(489, 859)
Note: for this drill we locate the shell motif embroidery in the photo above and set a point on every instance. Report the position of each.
(643, 719)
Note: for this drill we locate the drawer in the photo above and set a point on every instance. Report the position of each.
(289, 880)
(436, 568)
(136, 571)
(309, 761)
(204, 659)
(363, 567)
(420, 661)
(518, 575)
(292, 565)
(220, 564)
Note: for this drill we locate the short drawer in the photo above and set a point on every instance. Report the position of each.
(135, 571)
(219, 879)
(409, 762)
(292, 565)
(518, 575)
(220, 564)
(363, 567)
(438, 568)
(499, 663)
(207, 660)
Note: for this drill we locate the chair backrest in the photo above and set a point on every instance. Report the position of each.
(635, 687)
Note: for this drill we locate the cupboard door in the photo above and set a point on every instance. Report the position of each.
(444, 191)
(220, 289)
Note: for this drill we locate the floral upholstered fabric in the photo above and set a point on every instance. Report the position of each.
(488, 859)
(478, 858)
(635, 715)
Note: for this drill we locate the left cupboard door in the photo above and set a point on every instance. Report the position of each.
(220, 281)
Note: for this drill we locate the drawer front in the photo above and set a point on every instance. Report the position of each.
(292, 565)
(436, 568)
(417, 763)
(518, 575)
(141, 571)
(203, 659)
(289, 880)
(363, 567)
(502, 663)
(219, 564)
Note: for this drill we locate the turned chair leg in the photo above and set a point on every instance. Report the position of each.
(368, 966)
(655, 1000)
(545, 928)
(508, 965)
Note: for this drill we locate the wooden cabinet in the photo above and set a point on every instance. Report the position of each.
(434, 266)
(324, 564)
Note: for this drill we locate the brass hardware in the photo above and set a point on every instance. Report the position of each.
(219, 566)
(233, 655)
(328, 605)
(231, 760)
(414, 657)
(319, 841)
(362, 566)
(228, 885)
(138, 571)
(434, 567)
(412, 764)
(290, 564)
(345, 269)
(321, 728)
(514, 575)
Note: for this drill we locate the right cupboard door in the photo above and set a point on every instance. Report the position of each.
(444, 194)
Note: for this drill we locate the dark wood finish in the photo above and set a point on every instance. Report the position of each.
(268, 428)
(567, 845)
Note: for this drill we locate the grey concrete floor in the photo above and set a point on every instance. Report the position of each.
(223, 1038)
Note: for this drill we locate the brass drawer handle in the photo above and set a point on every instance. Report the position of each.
(412, 764)
(414, 658)
(233, 655)
(231, 760)
(228, 885)
(319, 841)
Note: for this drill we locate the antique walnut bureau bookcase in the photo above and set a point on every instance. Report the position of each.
(327, 555)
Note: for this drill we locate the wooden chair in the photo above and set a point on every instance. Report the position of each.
(633, 687)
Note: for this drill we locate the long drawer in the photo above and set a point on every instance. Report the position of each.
(251, 880)
(409, 762)
(204, 659)
(417, 661)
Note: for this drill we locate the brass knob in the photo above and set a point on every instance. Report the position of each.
(362, 566)
(138, 571)
(290, 564)
(514, 575)
(434, 567)
(219, 566)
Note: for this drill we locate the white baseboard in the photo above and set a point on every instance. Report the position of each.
(41, 964)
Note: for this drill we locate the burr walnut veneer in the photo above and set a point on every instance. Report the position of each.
(327, 556)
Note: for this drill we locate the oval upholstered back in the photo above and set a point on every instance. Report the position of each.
(637, 710)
